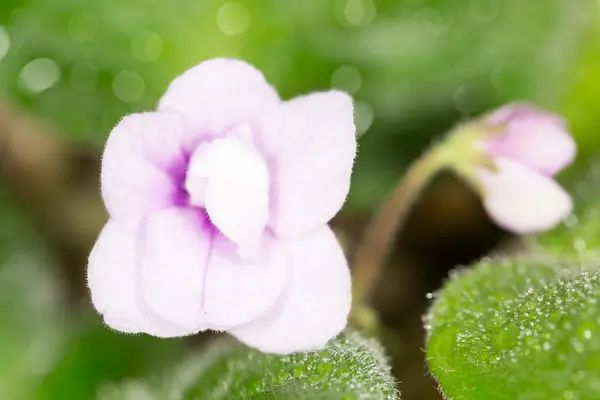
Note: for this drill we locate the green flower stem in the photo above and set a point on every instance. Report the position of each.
(457, 153)
(378, 238)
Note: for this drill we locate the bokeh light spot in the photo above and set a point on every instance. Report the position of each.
(363, 116)
(356, 12)
(4, 42)
(147, 46)
(346, 78)
(233, 18)
(39, 75)
(129, 86)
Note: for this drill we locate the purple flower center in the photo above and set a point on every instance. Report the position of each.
(229, 179)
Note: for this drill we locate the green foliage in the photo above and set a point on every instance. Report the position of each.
(518, 329)
(350, 367)
(94, 354)
(579, 235)
(414, 66)
(46, 353)
(31, 334)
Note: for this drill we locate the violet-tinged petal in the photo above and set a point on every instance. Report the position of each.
(218, 94)
(238, 290)
(111, 280)
(315, 304)
(313, 142)
(173, 267)
(140, 165)
(522, 200)
(533, 137)
(231, 179)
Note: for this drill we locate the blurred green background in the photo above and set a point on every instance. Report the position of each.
(69, 69)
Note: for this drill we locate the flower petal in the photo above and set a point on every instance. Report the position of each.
(533, 137)
(522, 200)
(239, 290)
(141, 164)
(315, 305)
(313, 143)
(111, 280)
(231, 179)
(218, 94)
(172, 271)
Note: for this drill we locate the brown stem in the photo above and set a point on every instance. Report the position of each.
(376, 243)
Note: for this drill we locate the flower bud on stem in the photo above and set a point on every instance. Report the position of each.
(508, 158)
(380, 233)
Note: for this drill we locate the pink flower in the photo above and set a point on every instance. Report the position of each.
(531, 147)
(219, 203)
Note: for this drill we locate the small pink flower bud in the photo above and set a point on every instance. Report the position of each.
(527, 146)
(533, 137)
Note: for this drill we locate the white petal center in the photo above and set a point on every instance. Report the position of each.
(230, 178)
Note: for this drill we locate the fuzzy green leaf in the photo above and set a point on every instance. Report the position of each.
(350, 367)
(519, 329)
(579, 235)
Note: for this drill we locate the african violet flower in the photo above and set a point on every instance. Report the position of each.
(219, 203)
(528, 146)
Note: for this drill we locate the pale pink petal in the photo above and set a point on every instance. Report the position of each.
(315, 304)
(522, 200)
(231, 179)
(111, 280)
(513, 111)
(238, 290)
(141, 163)
(533, 137)
(173, 267)
(313, 144)
(218, 94)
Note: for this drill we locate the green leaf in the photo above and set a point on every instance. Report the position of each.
(518, 329)
(31, 303)
(350, 367)
(579, 235)
(94, 354)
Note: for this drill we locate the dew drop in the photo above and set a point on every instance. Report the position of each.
(233, 18)
(39, 75)
(299, 371)
(506, 338)
(324, 368)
